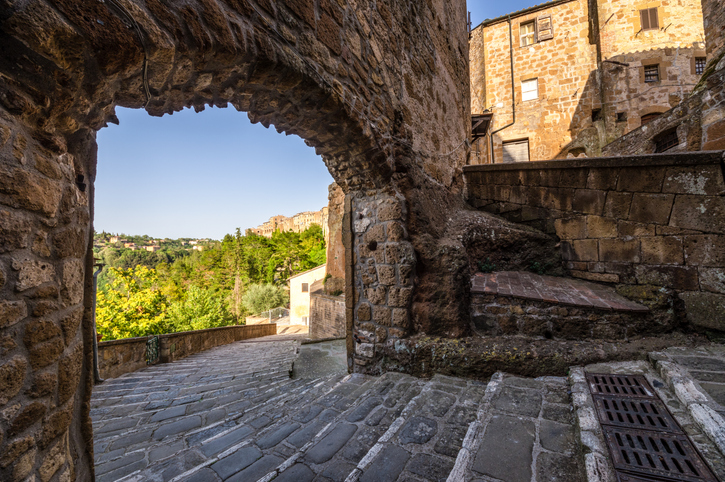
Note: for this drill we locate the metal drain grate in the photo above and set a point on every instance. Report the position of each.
(664, 456)
(636, 413)
(629, 385)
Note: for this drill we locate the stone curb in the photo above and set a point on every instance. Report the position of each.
(596, 461)
(690, 394)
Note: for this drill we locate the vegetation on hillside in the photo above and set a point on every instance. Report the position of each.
(180, 288)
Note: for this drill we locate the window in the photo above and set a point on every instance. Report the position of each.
(700, 63)
(596, 115)
(528, 30)
(648, 18)
(647, 118)
(621, 117)
(516, 151)
(666, 141)
(530, 89)
(652, 73)
(305, 287)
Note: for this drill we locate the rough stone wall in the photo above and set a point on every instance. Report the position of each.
(714, 16)
(673, 47)
(654, 226)
(562, 65)
(335, 249)
(327, 316)
(379, 89)
(594, 62)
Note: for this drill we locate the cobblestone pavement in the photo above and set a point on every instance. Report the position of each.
(235, 414)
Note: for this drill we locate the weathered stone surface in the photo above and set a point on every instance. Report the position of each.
(33, 273)
(30, 414)
(16, 448)
(70, 325)
(507, 438)
(30, 191)
(417, 430)
(12, 377)
(53, 461)
(712, 279)
(44, 354)
(705, 310)
(387, 466)
(55, 424)
(38, 331)
(12, 312)
(703, 213)
(72, 287)
(330, 444)
(69, 372)
(15, 232)
(43, 384)
(236, 462)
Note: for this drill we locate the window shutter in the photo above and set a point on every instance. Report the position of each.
(653, 19)
(644, 18)
(544, 28)
(516, 151)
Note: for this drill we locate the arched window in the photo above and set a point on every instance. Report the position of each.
(647, 118)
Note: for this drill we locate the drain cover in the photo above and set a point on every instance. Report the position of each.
(630, 385)
(636, 413)
(662, 455)
(646, 443)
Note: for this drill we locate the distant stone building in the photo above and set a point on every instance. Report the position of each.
(585, 72)
(297, 223)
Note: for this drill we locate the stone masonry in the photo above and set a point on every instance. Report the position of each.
(590, 73)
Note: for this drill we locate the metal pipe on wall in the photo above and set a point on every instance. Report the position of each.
(513, 91)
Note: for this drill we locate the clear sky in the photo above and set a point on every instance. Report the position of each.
(205, 174)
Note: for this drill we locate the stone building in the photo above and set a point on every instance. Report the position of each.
(299, 294)
(585, 72)
(297, 223)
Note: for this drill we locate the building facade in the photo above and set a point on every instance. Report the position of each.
(297, 223)
(566, 78)
(299, 294)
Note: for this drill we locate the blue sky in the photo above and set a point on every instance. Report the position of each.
(205, 174)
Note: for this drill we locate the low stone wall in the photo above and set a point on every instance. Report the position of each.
(327, 316)
(117, 357)
(653, 225)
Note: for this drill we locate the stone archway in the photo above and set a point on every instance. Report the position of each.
(380, 89)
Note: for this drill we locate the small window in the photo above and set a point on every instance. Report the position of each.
(700, 63)
(647, 118)
(621, 117)
(516, 151)
(666, 141)
(652, 73)
(305, 287)
(530, 89)
(649, 19)
(528, 32)
(596, 115)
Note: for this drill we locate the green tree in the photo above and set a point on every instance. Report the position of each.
(132, 305)
(201, 309)
(263, 297)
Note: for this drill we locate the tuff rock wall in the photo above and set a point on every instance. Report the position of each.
(380, 89)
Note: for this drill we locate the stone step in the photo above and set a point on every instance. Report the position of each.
(523, 303)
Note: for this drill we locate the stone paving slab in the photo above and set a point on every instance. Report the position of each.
(552, 289)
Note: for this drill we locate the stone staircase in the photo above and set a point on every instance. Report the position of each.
(234, 414)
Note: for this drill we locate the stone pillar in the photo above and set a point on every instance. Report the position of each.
(384, 265)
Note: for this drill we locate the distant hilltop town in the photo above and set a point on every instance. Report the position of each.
(297, 223)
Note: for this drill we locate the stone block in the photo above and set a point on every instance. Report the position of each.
(11, 312)
(46, 353)
(712, 279)
(589, 201)
(576, 178)
(33, 273)
(38, 331)
(55, 424)
(14, 449)
(639, 179)
(390, 210)
(375, 234)
(585, 250)
(651, 208)
(396, 231)
(400, 297)
(703, 213)
(519, 195)
(604, 179)
(705, 310)
(386, 275)
(599, 277)
(506, 439)
(70, 325)
(536, 196)
(571, 228)
(69, 243)
(72, 287)
(703, 180)
(662, 250)
(382, 315)
(12, 377)
(15, 233)
(377, 296)
(69, 372)
(26, 417)
(399, 253)
(30, 191)
(629, 228)
(600, 227)
(617, 204)
(619, 250)
(364, 313)
(677, 277)
(501, 193)
(705, 250)
(400, 318)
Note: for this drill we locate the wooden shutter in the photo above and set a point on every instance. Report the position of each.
(653, 19)
(544, 28)
(644, 18)
(516, 151)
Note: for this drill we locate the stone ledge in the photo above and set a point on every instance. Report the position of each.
(677, 159)
(550, 289)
